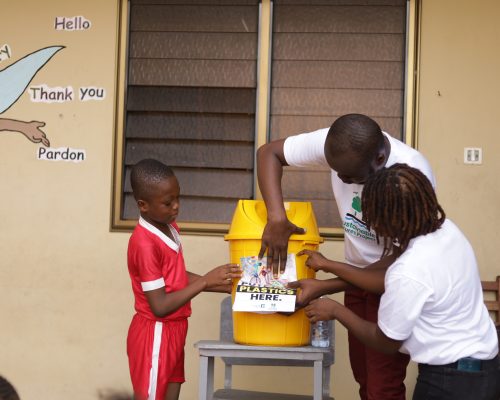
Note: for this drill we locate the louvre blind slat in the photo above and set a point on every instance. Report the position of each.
(340, 18)
(193, 18)
(282, 125)
(196, 154)
(338, 75)
(196, 73)
(236, 127)
(184, 99)
(298, 101)
(193, 45)
(338, 47)
(209, 182)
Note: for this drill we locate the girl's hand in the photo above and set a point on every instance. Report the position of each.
(315, 260)
(321, 310)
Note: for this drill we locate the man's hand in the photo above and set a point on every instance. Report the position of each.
(310, 289)
(321, 310)
(275, 240)
(315, 259)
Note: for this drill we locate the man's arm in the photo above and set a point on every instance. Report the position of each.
(367, 332)
(270, 162)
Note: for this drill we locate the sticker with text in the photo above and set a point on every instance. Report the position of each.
(259, 291)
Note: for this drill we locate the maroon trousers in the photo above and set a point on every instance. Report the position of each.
(380, 376)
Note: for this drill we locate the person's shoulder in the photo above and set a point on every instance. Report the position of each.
(139, 236)
(405, 154)
(306, 148)
(318, 134)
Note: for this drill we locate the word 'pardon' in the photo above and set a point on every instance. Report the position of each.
(61, 154)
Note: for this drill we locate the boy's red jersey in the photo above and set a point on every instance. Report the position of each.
(155, 261)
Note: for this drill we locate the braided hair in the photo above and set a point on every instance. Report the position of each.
(399, 203)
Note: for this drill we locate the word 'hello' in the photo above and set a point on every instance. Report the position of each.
(78, 23)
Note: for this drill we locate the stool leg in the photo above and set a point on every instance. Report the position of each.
(326, 381)
(206, 389)
(318, 380)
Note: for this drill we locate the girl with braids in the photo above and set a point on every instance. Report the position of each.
(432, 307)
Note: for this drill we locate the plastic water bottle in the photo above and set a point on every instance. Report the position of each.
(320, 334)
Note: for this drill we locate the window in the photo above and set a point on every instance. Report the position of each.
(332, 58)
(201, 81)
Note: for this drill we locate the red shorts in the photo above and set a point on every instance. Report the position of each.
(155, 355)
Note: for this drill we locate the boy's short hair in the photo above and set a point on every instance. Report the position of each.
(146, 174)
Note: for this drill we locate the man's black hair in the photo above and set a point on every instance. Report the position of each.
(355, 134)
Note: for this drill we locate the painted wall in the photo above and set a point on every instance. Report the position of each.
(459, 108)
(65, 298)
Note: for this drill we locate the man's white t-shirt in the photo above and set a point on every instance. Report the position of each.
(360, 244)
(433, 301)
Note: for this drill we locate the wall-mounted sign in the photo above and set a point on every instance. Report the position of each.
(5, 52)
(61, 154)
(45, 94)
(78, 23)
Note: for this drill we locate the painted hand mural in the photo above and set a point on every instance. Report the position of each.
(14, 79)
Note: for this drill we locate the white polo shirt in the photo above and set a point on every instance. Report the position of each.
(433, 301)
(308, 150)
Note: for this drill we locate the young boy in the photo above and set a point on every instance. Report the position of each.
(432, 307)
(162, 287)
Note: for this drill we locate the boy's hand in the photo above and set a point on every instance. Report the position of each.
(222, 277)
(321, 310)
(315, 260)
(310, 289)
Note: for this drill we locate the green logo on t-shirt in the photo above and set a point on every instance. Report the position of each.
(354, 225)
(356, 204)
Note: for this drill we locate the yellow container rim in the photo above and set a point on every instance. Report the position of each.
(250, 218)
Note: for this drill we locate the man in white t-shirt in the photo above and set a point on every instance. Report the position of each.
(432, 307)
(353, 148)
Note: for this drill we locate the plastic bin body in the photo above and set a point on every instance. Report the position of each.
(244, 238)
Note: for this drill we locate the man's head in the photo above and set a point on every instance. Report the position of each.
(399, 203)
(156, 191)
(355, 148)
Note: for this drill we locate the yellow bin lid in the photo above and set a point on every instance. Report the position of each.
(250, 218)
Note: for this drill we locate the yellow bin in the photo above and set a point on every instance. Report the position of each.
(244, 238)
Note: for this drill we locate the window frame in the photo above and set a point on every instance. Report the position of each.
(264, 62)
